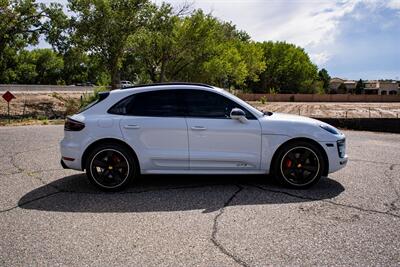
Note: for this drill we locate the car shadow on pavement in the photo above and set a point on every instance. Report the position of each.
(171, 193)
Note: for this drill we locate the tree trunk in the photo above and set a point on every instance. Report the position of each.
(115, 80)
(162, 73)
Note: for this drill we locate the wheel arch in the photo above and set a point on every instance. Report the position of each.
(108, 141)
(302, 139)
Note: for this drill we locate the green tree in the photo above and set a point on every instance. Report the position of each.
(325, 78)
(196, 48)
(153, 47)
(288, 69)
(103, 28)
(359, 87)
(39, 66)
(22, 22)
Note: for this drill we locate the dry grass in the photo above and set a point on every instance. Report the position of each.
(36, 104)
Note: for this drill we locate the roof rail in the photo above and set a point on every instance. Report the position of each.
(169, 83)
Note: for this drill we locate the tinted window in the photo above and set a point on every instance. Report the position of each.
(161, 103)
(205, 104)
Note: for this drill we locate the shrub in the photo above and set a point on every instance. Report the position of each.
(70, 104)
(73, 105)
(263, 100)
(88, 98)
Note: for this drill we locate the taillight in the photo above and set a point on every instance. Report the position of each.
(73, 125)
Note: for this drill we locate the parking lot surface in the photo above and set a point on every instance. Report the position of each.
(50, 216)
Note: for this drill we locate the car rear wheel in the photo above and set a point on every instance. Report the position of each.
(110, 167)
(299, 165)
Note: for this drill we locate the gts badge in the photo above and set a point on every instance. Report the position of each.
(241, 165)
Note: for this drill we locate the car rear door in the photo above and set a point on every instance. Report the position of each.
(155, 128)
(217, 142)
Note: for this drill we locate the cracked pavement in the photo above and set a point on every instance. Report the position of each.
(51, 216)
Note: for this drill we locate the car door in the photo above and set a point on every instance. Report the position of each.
(155, 128)
(217, 142)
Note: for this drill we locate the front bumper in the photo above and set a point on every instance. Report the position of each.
(335, 161)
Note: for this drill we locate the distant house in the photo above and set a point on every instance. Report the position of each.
(389, 87)
(381, 87)
(370, 87)
(350, 86)
(338, 85)
(334, 84)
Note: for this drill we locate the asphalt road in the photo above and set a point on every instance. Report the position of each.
(51, 216)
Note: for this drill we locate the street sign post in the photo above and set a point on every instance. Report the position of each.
(8, 96)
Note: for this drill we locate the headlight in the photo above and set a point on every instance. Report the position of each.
(329, 128)
(341, 146)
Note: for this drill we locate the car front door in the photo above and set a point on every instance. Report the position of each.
(217, 142)
(155, 128)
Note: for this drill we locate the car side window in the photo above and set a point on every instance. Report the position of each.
(205, 104)
(162, 103)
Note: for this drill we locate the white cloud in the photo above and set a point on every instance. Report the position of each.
(394, 4)
(320, 58)
(312, 24)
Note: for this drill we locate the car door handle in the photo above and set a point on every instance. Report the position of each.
(132, 126)
(198, 128)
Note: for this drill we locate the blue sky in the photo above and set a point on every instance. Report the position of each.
(350, 38)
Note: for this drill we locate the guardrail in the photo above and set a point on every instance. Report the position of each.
(44, 88)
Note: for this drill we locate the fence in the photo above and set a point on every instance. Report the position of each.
(319, 98)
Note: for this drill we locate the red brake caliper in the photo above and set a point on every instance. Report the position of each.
(288, 163)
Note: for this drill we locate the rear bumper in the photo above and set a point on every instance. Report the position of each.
(63, 164)
(71, 155)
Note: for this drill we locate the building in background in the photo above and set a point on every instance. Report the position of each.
(334, 84)
(389, 87)
(370, 87)
(350, 86)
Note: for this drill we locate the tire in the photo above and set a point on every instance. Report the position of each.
(299, 165)
(111, 167)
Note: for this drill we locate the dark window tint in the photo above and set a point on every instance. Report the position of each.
(161, 103)
(205, 104)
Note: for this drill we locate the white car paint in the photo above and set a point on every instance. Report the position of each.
(185, 145)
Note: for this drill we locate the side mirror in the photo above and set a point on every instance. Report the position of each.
(238, 114)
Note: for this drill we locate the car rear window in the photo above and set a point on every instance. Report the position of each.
(102, 96)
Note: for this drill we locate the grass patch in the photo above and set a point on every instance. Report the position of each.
(30, 121)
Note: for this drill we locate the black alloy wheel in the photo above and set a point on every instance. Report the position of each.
(110, 167)
(299, 165)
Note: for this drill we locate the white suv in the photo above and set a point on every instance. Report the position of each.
(183, 128)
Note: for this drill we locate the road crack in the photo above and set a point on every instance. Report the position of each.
(214, 233)
(392, 204)
(12, 159)
(328, 201)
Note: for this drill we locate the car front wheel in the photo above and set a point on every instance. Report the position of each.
(110, 167)
(299, 165)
